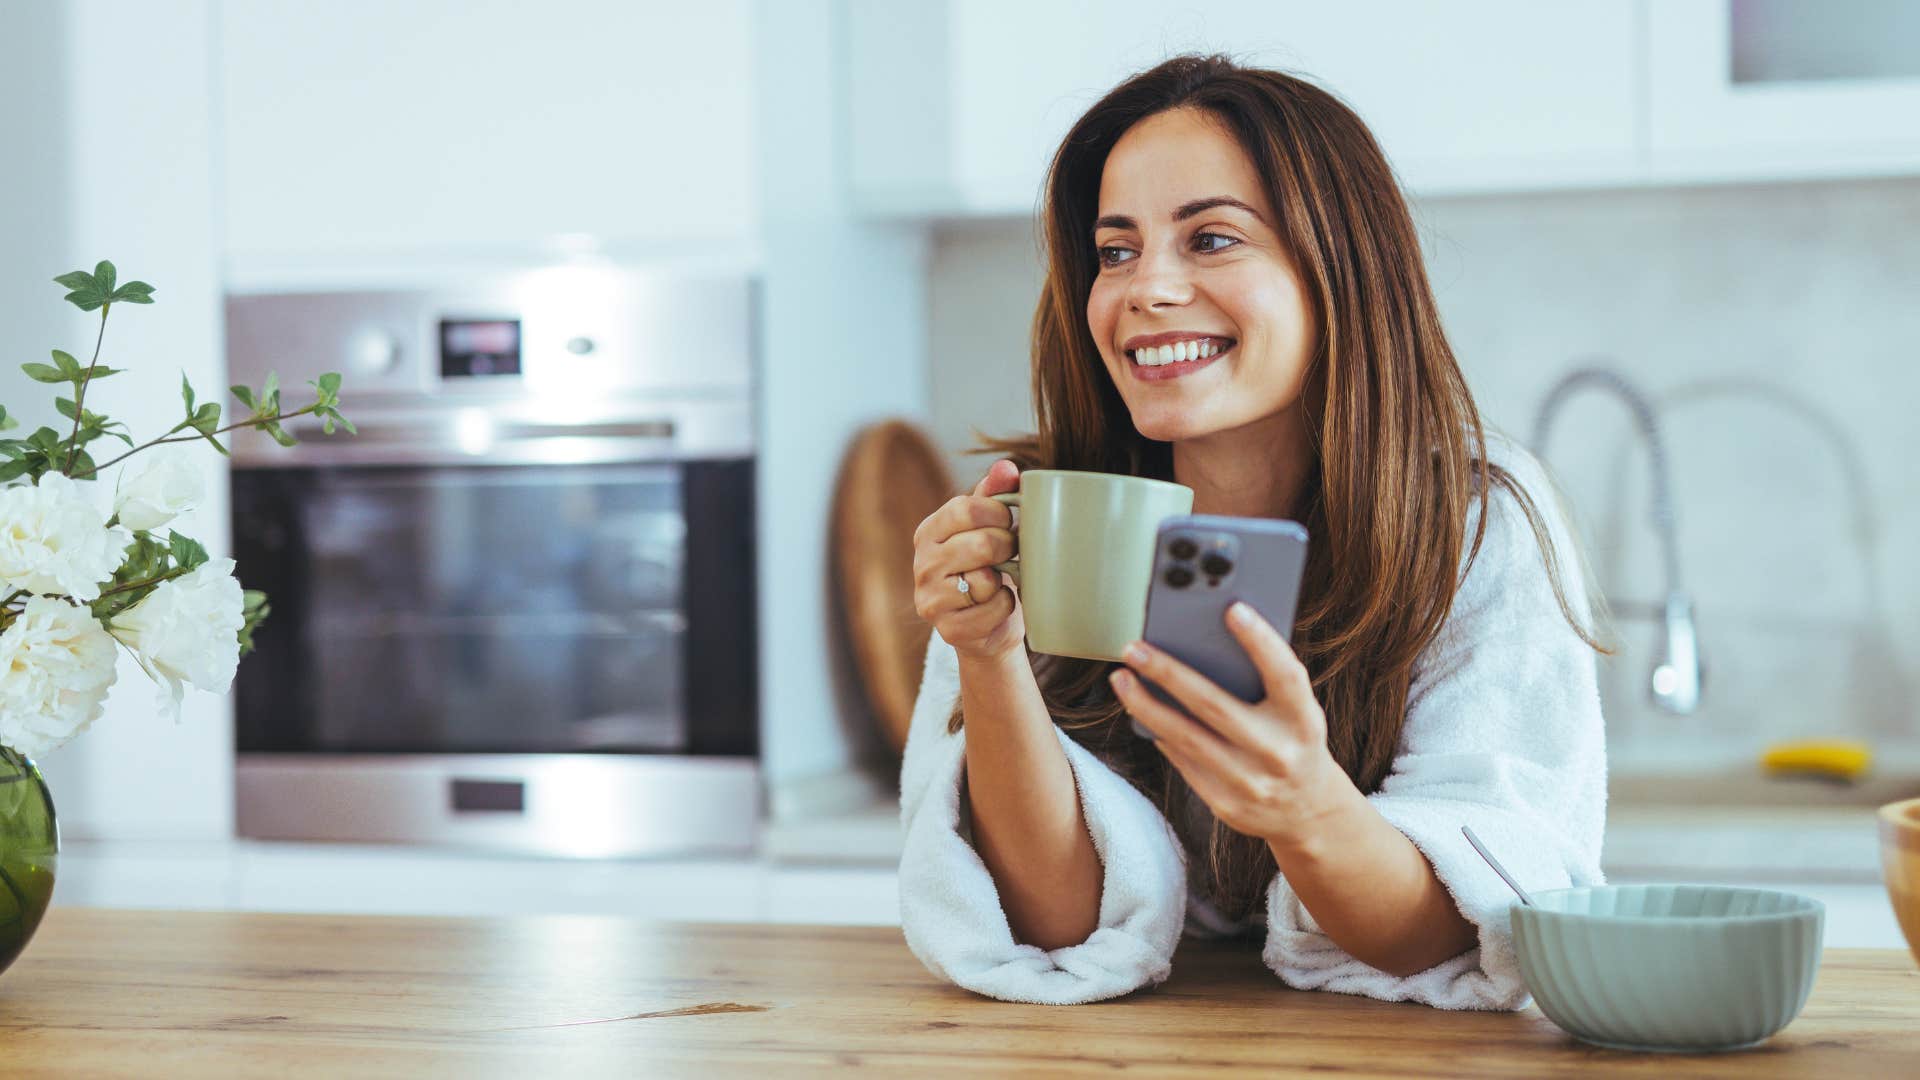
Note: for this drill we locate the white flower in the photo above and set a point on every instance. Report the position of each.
(54, 540)
(155, 488)
(187, 630)
(56, 665)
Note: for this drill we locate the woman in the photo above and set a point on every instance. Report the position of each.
(1235, 300)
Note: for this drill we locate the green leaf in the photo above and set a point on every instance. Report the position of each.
(13, 448)
(254, 611)
(329, 383)
(207, 420)
(270, 394)
(123, 437)
(7, 423)
(279, 435)
(186, 391)
(68, 365)
(187, 552)
(87, 291)
(133, 292)
(13, 470)
(46, 439)
(83, 462)
(66, 407)
(103, 275)
(245, 394)
(45, 373)
(101, 371)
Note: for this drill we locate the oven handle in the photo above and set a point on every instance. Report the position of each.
(388, 433)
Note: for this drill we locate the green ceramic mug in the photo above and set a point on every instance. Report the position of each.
(1084, 544)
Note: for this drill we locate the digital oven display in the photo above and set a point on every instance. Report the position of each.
(479, 347)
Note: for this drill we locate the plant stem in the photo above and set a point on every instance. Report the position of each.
(80, 393)
(132, 585)
(196, 437)
(19, 898)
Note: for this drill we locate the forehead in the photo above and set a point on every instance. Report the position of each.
(1172, 158)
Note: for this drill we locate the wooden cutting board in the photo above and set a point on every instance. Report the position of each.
(892, 478)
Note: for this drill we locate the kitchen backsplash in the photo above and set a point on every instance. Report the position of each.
(1777, 330)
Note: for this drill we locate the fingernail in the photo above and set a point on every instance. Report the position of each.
(1137, 653)
(1243, 613)
(1121, 680)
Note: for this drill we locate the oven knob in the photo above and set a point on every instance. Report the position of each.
(372, 352)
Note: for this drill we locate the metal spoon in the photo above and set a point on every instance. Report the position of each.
(1497, 868)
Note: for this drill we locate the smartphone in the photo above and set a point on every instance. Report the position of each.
(1202, 563)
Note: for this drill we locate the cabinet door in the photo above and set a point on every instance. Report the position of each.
(957, 110)
(460, 127)
(1769, 88)
(1492, 95)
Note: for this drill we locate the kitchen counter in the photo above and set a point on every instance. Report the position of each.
(122, 993)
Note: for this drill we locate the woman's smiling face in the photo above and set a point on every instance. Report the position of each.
(1194, 280)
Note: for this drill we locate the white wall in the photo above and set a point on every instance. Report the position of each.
(1779, 330)
(119, 166)
(843, 343)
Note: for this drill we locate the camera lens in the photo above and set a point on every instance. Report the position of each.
(1217, 565)
(1179, 577)
(1183, 548)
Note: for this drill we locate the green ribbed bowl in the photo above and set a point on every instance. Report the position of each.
(1669, 967)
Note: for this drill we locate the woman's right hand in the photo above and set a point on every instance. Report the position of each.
(965, 538)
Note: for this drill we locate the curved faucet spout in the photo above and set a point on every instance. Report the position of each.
(1676, 678)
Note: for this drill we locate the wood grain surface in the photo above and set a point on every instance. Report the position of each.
(892, 478)
(105, 993)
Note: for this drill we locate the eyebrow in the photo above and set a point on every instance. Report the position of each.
(1181, 213)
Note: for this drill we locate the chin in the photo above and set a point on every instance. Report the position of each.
(1169, 426)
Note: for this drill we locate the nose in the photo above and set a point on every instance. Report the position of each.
(1158, 281)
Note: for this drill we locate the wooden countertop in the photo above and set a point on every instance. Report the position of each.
(105, 993)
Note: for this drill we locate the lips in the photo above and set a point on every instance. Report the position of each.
(1158, 372)
(1170, 355)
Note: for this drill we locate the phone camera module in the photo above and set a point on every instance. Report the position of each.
(1183, 548)
(1179, 577)
(1216, 566)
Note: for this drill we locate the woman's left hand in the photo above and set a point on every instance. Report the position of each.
(1263, 768)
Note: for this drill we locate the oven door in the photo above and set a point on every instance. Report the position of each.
(525, 609)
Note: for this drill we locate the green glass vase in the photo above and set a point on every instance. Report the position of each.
(29, 852)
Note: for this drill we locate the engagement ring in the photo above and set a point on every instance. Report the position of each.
(960, 583)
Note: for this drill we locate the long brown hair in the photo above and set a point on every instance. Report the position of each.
(1399, 445)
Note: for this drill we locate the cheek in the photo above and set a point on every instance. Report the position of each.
(1103, 313)
(1272, 309)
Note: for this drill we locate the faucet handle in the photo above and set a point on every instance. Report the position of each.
(1677, 672)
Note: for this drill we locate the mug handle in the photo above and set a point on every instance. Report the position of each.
(1011, 566)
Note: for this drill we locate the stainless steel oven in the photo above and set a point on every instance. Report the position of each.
(516, 610)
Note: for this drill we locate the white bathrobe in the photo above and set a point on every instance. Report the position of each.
(1503, 732)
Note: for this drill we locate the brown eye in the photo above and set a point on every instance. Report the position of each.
(1200, 241)
(1113, 256)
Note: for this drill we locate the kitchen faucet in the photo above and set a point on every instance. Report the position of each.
(1676, 678)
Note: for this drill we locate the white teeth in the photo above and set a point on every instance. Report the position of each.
(1179, 352)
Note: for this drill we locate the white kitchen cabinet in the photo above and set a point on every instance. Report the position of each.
(850, 895)
(371, 879)
(956, 107)
(1779, 89)
(483, 128)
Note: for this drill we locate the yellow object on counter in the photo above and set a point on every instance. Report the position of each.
(1839, 759)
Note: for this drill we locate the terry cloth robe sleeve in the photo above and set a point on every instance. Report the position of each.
(1503, 733)
(950, 908)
